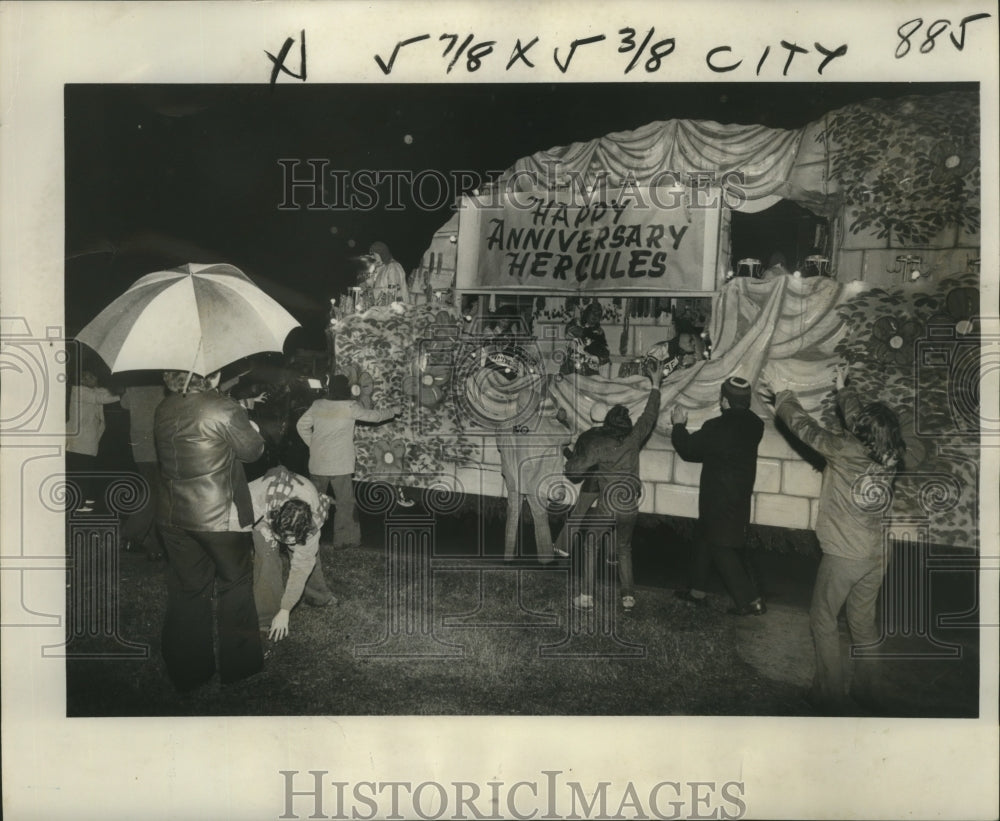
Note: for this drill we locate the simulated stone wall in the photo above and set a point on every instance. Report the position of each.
(785, 494)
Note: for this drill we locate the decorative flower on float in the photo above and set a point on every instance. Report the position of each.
(362, 384)
(388, 457)
(892, 340)
(961, 311)
(429, 377)
(431, 371)
(951, 161)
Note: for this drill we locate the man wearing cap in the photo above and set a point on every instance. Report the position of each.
(727, 448)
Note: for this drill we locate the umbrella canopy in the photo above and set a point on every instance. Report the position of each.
(194, 318)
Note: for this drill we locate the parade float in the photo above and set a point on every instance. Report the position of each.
(642, 224)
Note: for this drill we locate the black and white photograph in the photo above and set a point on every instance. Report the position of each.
(493, 411)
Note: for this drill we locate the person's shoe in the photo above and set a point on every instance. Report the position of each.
(690, 598)
(755, 608)
(562, 554)
(628, 602)
(401, 499)
(583, 602)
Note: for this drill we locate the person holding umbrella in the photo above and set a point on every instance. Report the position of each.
(191, 321)
(202, 439)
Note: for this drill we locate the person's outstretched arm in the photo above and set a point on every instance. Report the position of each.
(647, 420)
(689, 446)
(372, 415)
(789, 410)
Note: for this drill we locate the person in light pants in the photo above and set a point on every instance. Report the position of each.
(871, 449)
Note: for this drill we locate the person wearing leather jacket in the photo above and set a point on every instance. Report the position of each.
(202, 440)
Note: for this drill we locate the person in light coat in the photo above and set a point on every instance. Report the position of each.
(327, 428)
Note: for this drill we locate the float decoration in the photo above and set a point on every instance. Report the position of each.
(362, 385)
(383, 343)
(905, 168)
(929, 400)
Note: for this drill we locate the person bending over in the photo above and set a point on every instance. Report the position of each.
(289, 513)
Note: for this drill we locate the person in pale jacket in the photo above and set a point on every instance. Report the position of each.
(327, 427)
(86, 423)
(870, 449)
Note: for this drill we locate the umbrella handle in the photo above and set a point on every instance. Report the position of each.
(191, 371)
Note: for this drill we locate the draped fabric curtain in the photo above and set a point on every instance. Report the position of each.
(786, 329)
(757, 160)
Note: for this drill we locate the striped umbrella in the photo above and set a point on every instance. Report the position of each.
(194, 318)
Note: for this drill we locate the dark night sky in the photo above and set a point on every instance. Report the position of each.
(174, 174)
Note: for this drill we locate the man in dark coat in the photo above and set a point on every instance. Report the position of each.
(727, 448)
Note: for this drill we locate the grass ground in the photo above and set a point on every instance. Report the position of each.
(493, 641)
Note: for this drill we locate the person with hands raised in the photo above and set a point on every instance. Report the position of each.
(614, 457)
(727, 448)
(870, 449)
